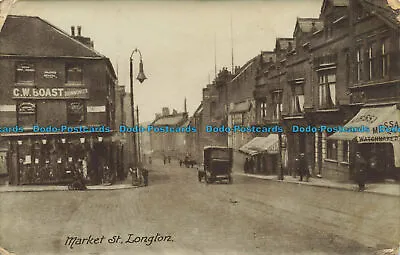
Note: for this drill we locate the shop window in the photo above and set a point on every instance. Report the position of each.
(332, 149)
(277, 104)
(346, 151)
(76, 113)
(74, 74)
(327, 90)
(26, 114)
(25, 73)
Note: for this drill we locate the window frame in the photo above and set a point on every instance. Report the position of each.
(326, 100)
(26, 67)
(29, 114)
(70, 120)
(71, 66)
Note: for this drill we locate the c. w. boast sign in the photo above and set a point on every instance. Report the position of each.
(52, 93)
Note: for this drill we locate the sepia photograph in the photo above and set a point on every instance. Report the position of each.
(204, 127)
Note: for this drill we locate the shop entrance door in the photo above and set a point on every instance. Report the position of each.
(3, 163)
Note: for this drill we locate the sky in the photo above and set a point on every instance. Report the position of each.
(180, 41)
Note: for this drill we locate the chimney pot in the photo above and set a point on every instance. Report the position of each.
(72, 30)
(79, 30)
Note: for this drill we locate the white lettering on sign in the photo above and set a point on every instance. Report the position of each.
(38, 93)
(366, 118)
(50, 74)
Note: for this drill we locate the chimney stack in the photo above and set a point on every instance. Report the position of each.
(79, 30)
(72, 30)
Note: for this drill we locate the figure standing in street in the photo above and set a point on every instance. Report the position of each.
(360, 167)
(169, 159)
(302, 167)
(246, 165)
(165, 159)
(145, 174)
(150, 160)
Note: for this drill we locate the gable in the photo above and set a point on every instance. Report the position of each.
(32, 36)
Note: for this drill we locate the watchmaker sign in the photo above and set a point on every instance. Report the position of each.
(46, 93)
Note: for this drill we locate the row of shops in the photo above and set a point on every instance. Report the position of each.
(55, 158)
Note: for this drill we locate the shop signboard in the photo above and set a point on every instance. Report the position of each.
(49, 93)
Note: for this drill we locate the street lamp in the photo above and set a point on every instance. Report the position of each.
(141, 77)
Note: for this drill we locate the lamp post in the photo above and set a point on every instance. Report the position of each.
(141, 77)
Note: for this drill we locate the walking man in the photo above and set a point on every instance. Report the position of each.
(145, 174)
(360, 167)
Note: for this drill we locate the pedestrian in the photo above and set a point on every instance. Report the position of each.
(145, 174)
(169, 159)
(165, 159)
(150, 160)
(302, 167)
(180, 162)
(360, 167)
(246, 165)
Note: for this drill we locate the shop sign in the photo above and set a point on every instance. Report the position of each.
(27, 108)
(50, 74)
(49, 93)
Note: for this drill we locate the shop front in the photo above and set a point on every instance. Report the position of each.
(376, 134)
(55, 158)
(263, 154)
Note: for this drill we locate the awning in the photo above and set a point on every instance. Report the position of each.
(269, 144)
(241, 107)
(367, 126)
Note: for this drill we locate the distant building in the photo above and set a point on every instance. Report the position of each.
(168, 136)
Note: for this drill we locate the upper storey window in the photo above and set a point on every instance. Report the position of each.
(74, 74)
(25, 73)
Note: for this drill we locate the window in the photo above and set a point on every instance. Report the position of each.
(346, 151)
(263, 109)
(25, 73)
(26, 114)
(277, 103)
(213, 106)
(358, 70)
(332, 149)
(385, 58)
(76, 113)
(327, 90)
(73, 74)
(297, 99)
(371, 62)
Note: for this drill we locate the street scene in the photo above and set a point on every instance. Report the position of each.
(200, 127)
(251, 216)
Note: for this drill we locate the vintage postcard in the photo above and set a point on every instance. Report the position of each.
(199, 127)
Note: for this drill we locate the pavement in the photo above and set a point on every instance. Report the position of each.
(389, 187)
(126, 184)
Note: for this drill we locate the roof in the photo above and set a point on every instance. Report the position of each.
(384, 11)
(245, 67)
(170, 120)
(40, 39)
(306, 25)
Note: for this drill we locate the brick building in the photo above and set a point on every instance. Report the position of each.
(50, 78)
(322, 78)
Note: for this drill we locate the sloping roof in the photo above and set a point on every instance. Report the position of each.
(384, 11)
(306, 24)
(245, 67)
(33, 36)
(170, 120)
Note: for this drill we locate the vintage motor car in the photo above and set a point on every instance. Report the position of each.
(217, 164)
